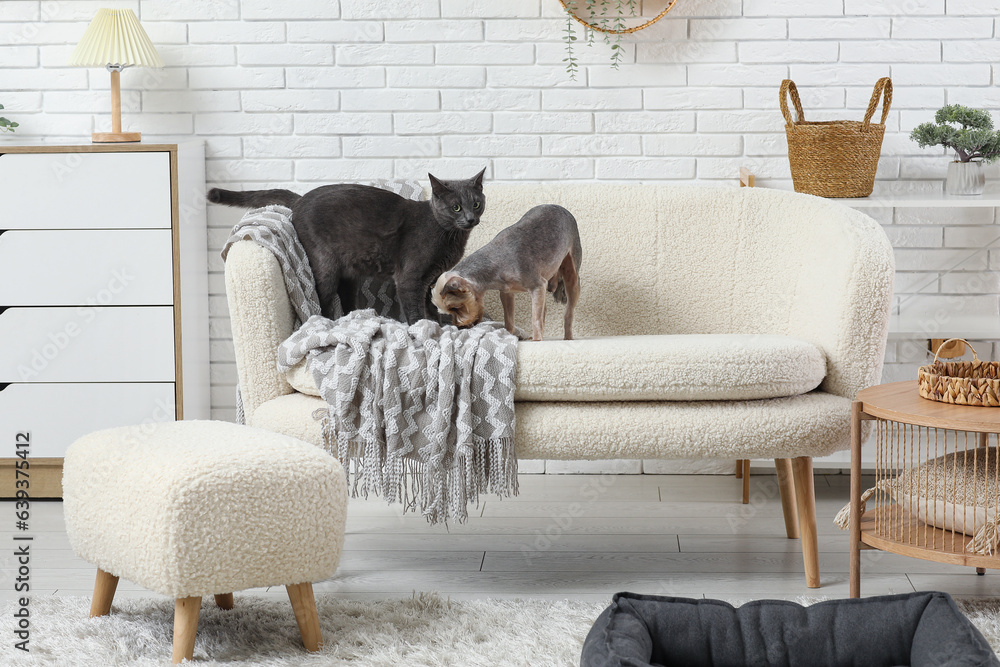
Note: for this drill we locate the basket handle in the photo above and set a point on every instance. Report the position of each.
(788, 88)
(883, 89)
(975, 357)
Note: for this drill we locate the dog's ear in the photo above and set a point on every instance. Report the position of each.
(477, 180)
(437, 187)
(455, 286)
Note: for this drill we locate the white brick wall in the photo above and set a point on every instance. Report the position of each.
(304, 92)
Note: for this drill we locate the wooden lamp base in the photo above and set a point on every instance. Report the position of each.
(115, 137)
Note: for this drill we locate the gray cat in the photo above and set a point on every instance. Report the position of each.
(353, 231)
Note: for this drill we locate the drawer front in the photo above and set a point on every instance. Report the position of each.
(84, 190)
(87, 344)
(95, 267)
(57, 414)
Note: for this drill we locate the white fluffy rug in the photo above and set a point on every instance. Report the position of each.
(426, 630)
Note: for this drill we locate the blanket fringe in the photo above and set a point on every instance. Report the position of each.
(984, 543)
(489, 468)
(843, 518)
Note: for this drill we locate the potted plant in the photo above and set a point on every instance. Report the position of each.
(7, 125)
(969, 132)
(606, 17)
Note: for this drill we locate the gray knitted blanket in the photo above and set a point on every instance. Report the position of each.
(420, 414)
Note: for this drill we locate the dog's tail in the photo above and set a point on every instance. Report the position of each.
(252, 198)
(560, 293)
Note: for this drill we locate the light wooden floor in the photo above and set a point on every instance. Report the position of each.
(573, 536)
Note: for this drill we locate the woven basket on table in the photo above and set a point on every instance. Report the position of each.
(836, 158)
(961, 382)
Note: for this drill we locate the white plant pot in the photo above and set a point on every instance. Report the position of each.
(965, 178)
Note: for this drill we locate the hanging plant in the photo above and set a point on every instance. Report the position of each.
(607, 17)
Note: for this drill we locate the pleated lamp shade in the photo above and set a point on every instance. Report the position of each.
(115, 37)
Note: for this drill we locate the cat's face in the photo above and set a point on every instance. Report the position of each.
(457, 205)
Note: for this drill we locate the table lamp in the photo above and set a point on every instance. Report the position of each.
(115, 40)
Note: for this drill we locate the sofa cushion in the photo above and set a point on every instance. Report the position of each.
(813, 424)
(693, 367)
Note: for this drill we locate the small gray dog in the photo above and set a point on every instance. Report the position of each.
(540, 252)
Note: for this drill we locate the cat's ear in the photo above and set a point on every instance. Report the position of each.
(477, 180)
(437, 187)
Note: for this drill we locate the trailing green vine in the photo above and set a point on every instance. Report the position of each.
(618, 24)
(590, 12)
(572, 66)
(607, 16)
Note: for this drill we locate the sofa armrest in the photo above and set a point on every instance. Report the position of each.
(261, 317)
(843, 296)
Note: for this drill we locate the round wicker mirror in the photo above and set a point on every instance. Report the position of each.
(623, 31)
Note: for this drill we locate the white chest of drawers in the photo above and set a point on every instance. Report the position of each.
(103, 296)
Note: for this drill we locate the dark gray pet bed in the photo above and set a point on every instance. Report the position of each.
(919, 629)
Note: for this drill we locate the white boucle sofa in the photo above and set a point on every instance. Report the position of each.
(716, 322)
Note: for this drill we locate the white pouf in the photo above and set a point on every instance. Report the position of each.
(199, 508)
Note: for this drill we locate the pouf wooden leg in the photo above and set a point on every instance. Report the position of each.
(805, 501)
(186, 611)
(304, 606)
(104, 593)
(786, 487)
(224, 600)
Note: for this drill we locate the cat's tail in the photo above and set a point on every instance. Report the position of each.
(252, 198)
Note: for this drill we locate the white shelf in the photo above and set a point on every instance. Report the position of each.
(915, 195)
(973, 328)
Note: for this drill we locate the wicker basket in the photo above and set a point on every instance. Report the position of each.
(961, 382)
(835, 158)
(597, 27)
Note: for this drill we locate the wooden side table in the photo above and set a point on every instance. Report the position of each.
(910, 431)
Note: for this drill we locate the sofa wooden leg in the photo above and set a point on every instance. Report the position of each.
(224, 600)
(805, 501)
(746, 481)
(739, 468)
(104, 593)
(304, 606)
(786, 487)
(186, 612)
